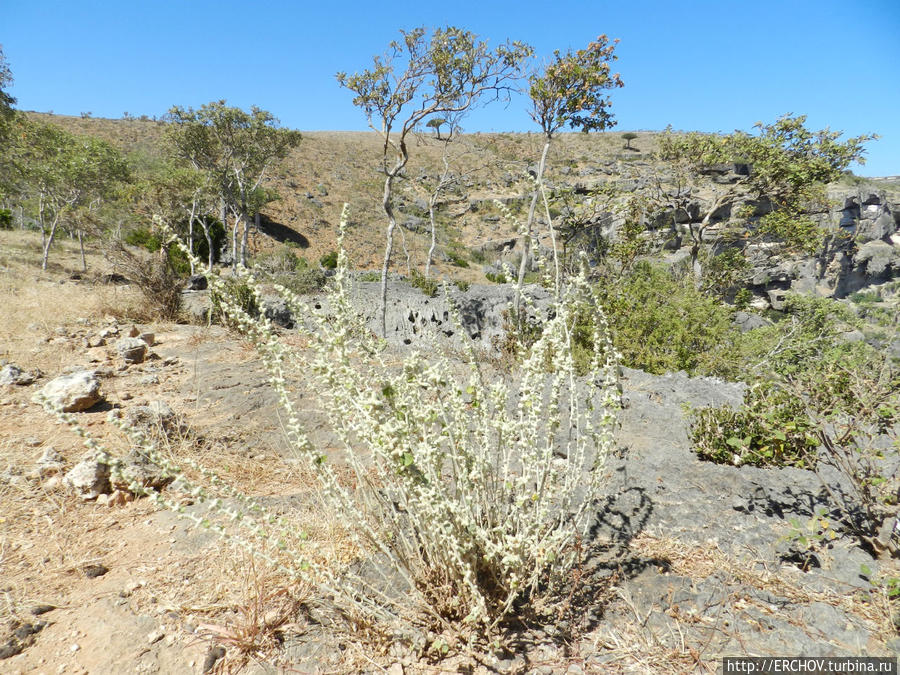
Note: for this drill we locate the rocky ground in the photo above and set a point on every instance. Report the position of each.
(692, 560)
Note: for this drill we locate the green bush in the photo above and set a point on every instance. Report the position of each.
(662, 323)
(329, 261)
(280, 261)
(428, 285)
(237, 292)
(304, 281)
(6, 219)
(770, 429)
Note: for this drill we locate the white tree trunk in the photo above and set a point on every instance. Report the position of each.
(529, 224)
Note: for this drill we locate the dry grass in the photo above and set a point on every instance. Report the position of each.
(345, 166)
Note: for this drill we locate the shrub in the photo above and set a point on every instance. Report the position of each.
(428, 285)
(304, 281)
(770, 429)
(663, 323)
(281, 261)
(329, 260)
(6, 219)
(470, 496)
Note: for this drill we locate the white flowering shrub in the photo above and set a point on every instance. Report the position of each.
(469, 491)
(464, 492)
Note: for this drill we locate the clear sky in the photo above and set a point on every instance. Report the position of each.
(709, 65)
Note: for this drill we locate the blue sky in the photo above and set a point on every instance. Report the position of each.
(707, 65)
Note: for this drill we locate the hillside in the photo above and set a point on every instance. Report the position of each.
(329, 169)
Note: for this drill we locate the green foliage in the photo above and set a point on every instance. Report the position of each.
(6, 219)
(497, 277)
(329, 261)
(770, 429)
(281, 261)
(456, 259)
(629, 136)
(723, 272)
(663, 323)
(571, 90)
(428, 285)
(303, 281)
(234, 291)
(866, 297)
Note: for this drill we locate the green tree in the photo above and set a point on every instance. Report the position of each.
(785, 166)
(628, 137)
(235, 149)
(570, 92)
(421, 77)
(66, 174)
(7, 117)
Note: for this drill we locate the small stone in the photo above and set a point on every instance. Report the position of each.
(212, 656)
(126, 396)
(13, 375)
(133, 331)
(94, 570)
(155, 636)
(38, 610)
(131, 349)
(149, 338)
(74, 648)
(90, 478)
(71, 393)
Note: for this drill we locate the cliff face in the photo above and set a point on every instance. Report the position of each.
(862, 252)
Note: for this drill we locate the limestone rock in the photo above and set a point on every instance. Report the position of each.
(155, 415)
(197, 282)
(90, 478)
(72, 393)
(132, 349)
(12, 374)
(140, 469)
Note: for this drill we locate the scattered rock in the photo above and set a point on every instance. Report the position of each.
(139, 469)
(94, 341)
(50, 462)
(149, 338)
(132, 349)
(72, 393)
(90, 478)
(155, 415)
(13, 375)
(212, 657)
(38, 610)
(94, 570)
(197, 282)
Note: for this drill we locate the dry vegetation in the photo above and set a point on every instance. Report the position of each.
(345, 165)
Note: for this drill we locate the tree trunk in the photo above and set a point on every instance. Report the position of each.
(191, 241)
(81, 246)
(388, 249)
(529, 224)
(48, 242)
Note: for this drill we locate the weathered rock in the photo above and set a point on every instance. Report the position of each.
(89, 478)
(197, 282)
(72, 393)
(11, 374)
(277, 311)
(154, 415)
(50, 462)
(746, 321)
(131, 349)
